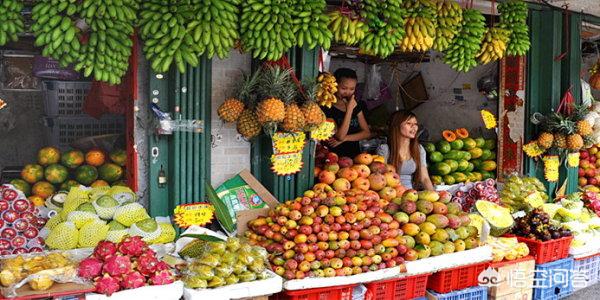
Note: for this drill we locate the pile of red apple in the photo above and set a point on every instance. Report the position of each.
(589, 167)
(20, 223)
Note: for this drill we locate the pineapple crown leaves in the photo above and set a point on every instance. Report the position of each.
(310, 87)
(275, 81)
(246, 89)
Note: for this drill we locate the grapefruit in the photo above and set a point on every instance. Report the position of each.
(72, 159)
(86, 174)
(43, 189)
(95, 158)
(22, 186)
(48, 156)
(32, 173)
(56, 173)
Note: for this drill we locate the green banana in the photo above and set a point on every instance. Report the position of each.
(513, 17)
(462, 53)
(386, 26)
(12, 21)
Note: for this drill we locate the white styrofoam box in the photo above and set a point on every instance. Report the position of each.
(257, 288)
(447, 261)
(172, 291)
(311, 283)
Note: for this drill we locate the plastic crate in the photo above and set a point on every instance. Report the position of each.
(63, 131)
(553, 280)
(65, 98)
(342, 292)
(586, 271)
(457, 278)
(398, 288)
(474, 293)
(547, 251)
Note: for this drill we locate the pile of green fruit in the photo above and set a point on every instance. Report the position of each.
(12, 21)
(462, 53)
(449, 22)
(220, 263)
(386, 26)
(215, 27)
(462, 160)
(523, 193)
(311, 24)
(513, 16)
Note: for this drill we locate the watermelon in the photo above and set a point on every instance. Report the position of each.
(86, 174)
(110, 172)
(56, 173)
(72, 159)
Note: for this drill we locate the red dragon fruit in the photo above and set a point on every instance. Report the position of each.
(161, 265)
(105, 249)
(90, 268)
(146, 264)
(132, 245)
(107, 285)
(133, 280)
(161, 278)
(117, 265)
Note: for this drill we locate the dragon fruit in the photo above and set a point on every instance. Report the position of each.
(133, 280)
(161, 265)
(117, 265)
(90, 268)
(147, 264)
(133, 246)
(107, 285)
(105, 249)
(161, 278)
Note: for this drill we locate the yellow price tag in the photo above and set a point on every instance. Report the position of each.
(200, 214)
(285, 142)
(286, 163)
(573, 160)
(551, 165)
(489, 120)
(324, 131)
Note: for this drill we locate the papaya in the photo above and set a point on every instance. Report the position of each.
(448, 135)
(462, 133)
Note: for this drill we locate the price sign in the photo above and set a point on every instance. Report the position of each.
(573, 160)
(286, 142)
(286, 163)
(489, 120)
(199, 214)
(324, 131)
(551, 165)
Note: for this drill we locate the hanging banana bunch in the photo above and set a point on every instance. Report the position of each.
(106, 54)
(449, 21)
(214, 28)
(462, 53)
(513, 17)
(12, 21)
(347, 29)
(166, 31)
(494, 45)
(266, 29)
(310, 24)
(326, 89)
(386, 26)
(55, 30)
(420, 25)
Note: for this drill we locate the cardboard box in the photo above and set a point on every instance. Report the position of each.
(514, 277)
(56, 290)
(243, 217)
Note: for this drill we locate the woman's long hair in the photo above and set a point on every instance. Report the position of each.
(395, 136)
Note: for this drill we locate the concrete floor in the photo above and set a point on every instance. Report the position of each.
(589, 293)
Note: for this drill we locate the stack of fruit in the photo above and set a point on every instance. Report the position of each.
(346, 26)
(129, 264)
(11, 14)
(56, 171)
(589, 167)
(523, 193)
(577, 212)
(460, 158)
(536, 225)
(513, 17)
(506, 248)
(220, 263)
(45, 266)
(20, 223)
(593, 118)
(483, 190)
(89, 216)
(592, 202)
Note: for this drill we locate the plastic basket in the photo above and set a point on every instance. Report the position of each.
(342, 292)
(456, 278)
(586, 271)
(63, 131)
(548, 251)
(65, 98)
(399, 288)
(553, 280)
(474, 293)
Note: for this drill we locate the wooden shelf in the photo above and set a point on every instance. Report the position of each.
(352, 52)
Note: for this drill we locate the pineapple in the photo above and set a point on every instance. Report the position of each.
(231, 109)
(588, 141)
(313, 114)
(545, 140)
(560, 141)
(574, 142)
(277, 89)
(247, 124)
(584, 128)
(270, 110)
(294, 118)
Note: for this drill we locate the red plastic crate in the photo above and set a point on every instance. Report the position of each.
(548, 251)
(458, 278)
(409, 287)
(342, 292)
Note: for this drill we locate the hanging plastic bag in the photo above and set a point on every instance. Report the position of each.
(373, 81)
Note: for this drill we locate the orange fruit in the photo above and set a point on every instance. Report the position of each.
(48, 156)
(43, 189)
(32, 173)
(95, 158)
(99, 183)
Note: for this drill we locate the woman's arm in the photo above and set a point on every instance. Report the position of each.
(342, 131)
(424, 179)
(364, 132)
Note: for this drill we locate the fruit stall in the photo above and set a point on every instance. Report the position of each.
(107, 194)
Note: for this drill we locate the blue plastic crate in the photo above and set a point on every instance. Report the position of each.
(586, 272)
(553, 280)
(473, 293)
